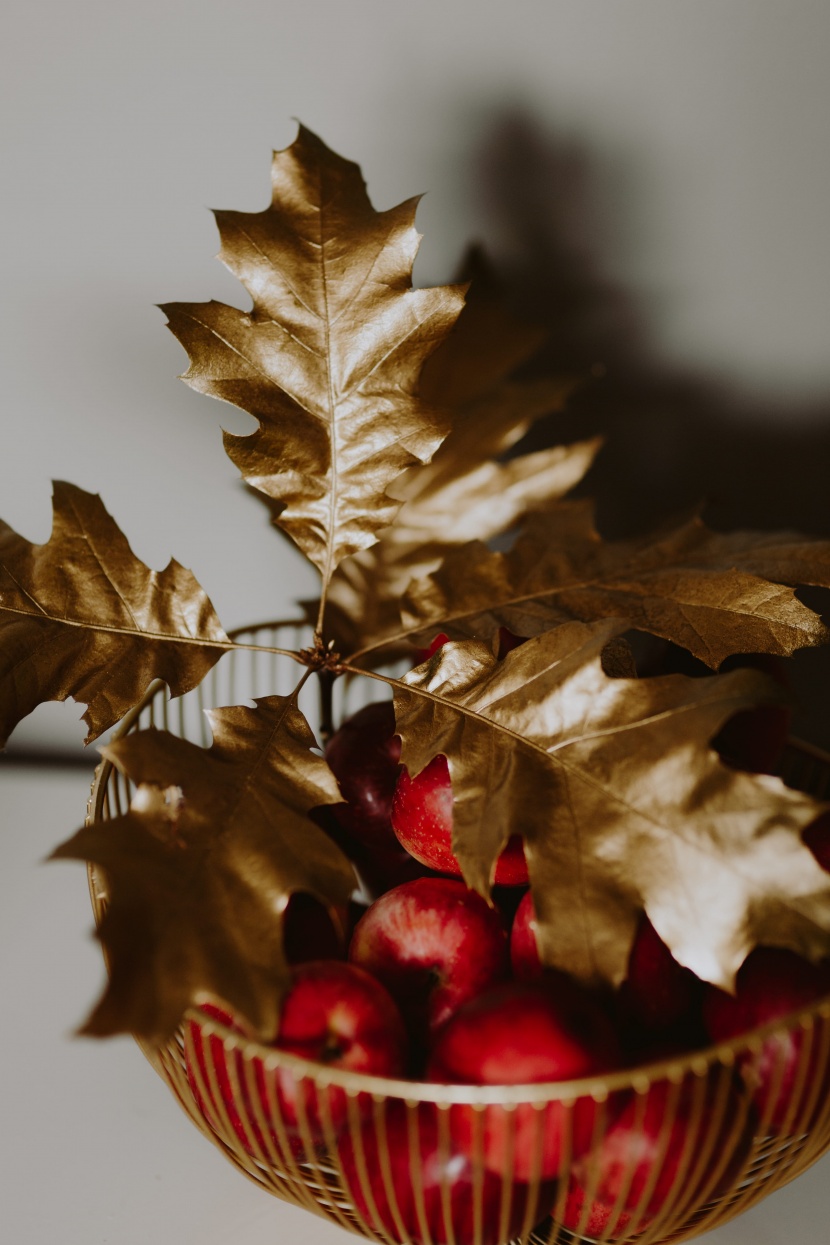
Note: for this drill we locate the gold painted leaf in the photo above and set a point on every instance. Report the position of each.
(714, 594)
(622, 804)
(465, 493)
(81, 616)
(329, 358)
(200, 869)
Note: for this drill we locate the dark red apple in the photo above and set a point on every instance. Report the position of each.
(407, 1181)
(364, 755)
(508, 641)
(422, 820)
(524, 953)
(754, 739)
(520, 1034)
(424, 654)
(772, 982)
(434, 944)
(681, 1143)
(817, 838)
(333, 1014)
(310, 932)
(659, 1003)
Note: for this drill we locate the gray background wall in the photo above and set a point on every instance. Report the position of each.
(653, 175)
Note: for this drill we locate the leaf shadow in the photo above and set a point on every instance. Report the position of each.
(674, 438)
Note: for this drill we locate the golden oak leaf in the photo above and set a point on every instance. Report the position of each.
(464, 493)
(200, 869)
(329, 358)
(714, 594)
(488, 498)
(81, 616)
(622, 804)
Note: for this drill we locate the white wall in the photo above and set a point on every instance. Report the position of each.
(703, 123)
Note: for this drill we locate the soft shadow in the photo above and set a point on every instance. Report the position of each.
(673, 441)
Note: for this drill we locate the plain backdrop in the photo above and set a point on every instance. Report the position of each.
(653, 176)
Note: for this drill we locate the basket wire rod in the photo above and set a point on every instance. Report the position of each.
(218, 1099)
(329, 1207)
(443, 1155)
(737, 1137)
(692, 1185)
(478, 1175)
(701, 1135)
(284, 1153)
(416, 1168)
(769, 1172)
(566, 1161)
(387, 1176)
(340, 1209)
(244, 1092)
(795, 1118)
(508, 1170)
(372, 1226)
(531, 1213)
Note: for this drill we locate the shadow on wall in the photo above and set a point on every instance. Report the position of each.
(673, 441)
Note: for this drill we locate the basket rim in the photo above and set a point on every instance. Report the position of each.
(639, 1077)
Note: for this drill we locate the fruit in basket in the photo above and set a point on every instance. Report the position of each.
(754, 739)
(422, 819)
(310, 933)
(659, 1002)
(681, 1143)
(817, 838)
(435, 945)
(364, 754)
(334, 1014)
(524, 953)
(412, 1175)
(773, 982)
(517, 1034)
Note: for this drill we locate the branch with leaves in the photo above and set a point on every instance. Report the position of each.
(388, 450)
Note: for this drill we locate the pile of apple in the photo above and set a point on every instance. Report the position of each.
(438, 985)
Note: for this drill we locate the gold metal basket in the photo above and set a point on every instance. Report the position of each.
(404, 1161)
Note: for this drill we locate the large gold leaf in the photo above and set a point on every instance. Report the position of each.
(201, 868)
(465, 492)
(621, 802)
(715, 594)
(328, 360)
(81, 616)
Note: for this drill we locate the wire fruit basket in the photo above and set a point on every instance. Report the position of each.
(656, 1153)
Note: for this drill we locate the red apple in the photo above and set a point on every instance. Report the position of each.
(434, 944)
(755, 738)
(333, 1014)
(309, 931)
(772, 982)
(524, 953)
(424, 654)
(518, 1034)
(508, 641)
(422, 820)
(364, 755)
(676, 1142)
(659, 1002)
(407, 1181)
(817, 838)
